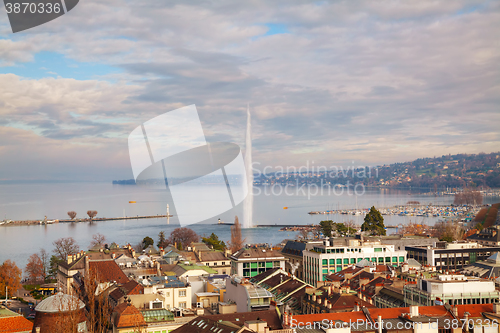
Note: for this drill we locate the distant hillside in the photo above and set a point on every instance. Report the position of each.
(437, 173)
(472, 170)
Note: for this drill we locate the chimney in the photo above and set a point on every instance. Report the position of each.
(455, 311)
(379, 323)
(37, 330)
(413, 311)
(356, 307)
(326, 302)
(162, 251)
(113, 255)
(86, 260)
(70, 259)
(496, 308)
(314, 297)
(319, 300)
(466, 321)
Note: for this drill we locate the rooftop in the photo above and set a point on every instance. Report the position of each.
(108, 271)
(13, 322)
(256, 253)
(59, 302)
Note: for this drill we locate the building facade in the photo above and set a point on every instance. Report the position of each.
(327, 258)
(251, 262)
(451, 289)
(450, 256)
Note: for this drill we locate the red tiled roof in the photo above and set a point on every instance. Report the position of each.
(128, 316)
(129, 288)
(108, 271)
(269, 316)
(15, 324)
(475, 311)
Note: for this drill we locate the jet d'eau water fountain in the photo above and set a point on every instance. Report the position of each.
(248, 204)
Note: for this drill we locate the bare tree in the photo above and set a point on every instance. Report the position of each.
(448, 231)
(183, 237)
(303, 234)
(351, 224)
(237, 241)
(92, 214)
(98, 239)
(72, 214)
(44, 256)
(65, 246)
(68, 316)
(97, 305)
(468, 197)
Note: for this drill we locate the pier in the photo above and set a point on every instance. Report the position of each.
(96, 219)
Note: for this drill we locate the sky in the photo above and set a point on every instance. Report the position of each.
(328, 83)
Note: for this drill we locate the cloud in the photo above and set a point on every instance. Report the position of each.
(374, 82)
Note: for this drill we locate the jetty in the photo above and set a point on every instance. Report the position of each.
(95, 219)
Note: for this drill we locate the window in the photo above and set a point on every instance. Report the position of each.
(401, 259)
(339, 261)
(182, 293)
(246, 265)
(346, 261)
(353, 260)
(325, 262)
(332, 261)
(223, 263)
(182, 305)
(276, 264)
(388, 260)
(394, 259)
(215, 264)
(378, 249)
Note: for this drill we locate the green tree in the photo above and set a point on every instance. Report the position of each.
(326, 228)
(54, 262)
(374, 222)
(161, 239)
(147, 241)
(343, 230)
(214, 241)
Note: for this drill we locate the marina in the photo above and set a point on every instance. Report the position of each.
(408, 210)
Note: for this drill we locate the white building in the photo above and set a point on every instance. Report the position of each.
(327, 258)
(451, 289)
(168, 291)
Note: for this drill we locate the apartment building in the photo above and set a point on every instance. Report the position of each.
(335, 255)
(451, 256)
(249, 262)
(450, 289)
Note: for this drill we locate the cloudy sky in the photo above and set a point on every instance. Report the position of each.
(331, 82)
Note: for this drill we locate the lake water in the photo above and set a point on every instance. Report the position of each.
(34, 201)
